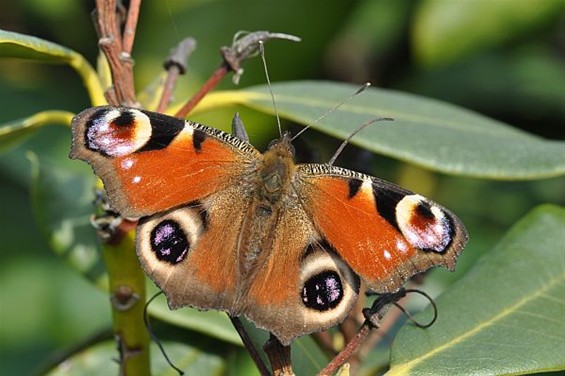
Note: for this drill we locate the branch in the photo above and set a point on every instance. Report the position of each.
(279, 356)
(111, 42)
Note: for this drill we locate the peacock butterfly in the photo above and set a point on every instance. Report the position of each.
(223, 226)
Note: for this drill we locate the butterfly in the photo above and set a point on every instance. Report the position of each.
(223, 226)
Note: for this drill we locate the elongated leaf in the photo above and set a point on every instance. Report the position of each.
(212, 323)
(445, 31)
(425, 132)
(505, 316)
(28, 47)
(307, 358)
(100, 360)
(15, 131)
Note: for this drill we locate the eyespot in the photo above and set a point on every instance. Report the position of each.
(117, 132)
(169, 242)
(323, 291)
(328, 287)
(169, 237)
(424, 224)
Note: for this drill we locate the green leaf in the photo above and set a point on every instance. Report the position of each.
(425, 132)
(16, 131)
(212, 323)
(505, 316)
(307, 358)
(100, 360)
(445, 31)
(62, 203)
(22, 46)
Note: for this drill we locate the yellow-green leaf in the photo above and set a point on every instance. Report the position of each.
(23, 46)
(426, 132)
(100, 359)
(15, 131)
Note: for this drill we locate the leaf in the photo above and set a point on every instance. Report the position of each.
(62, 203)
(100, 360)
(505, 316)
(307, 358)
(445, 31)
(15, 131)
(212, 323)
(23, 46)
(425, 132)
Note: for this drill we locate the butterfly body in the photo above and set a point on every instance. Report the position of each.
(226, 227)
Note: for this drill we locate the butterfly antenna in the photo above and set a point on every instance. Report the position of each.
(333, 109)
(262, 53)
(154, 337)
(346, 141)
(432, 302)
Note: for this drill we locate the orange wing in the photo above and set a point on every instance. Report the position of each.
(386, 234)
(150, 162)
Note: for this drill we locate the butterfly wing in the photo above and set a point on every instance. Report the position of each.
(151, 162)
(191, 252)
(183, 179)
(385, 233)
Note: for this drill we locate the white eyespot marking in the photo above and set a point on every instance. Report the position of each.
(387, 254)
(136, 179)
(401, 245)
(423, 224)
(127, 163)
(118, 132)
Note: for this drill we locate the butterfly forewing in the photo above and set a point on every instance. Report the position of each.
(150, 162)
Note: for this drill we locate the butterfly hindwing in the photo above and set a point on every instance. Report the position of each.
(191, 252)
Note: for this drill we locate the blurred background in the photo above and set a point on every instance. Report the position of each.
(500, 58)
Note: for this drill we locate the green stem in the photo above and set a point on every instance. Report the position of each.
(127, 293)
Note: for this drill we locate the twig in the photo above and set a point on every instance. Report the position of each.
(58, 357)
(372, 316)
(233, 57)
(349, 349)
(175, 64)
(236, 322)
(210, 84)
(130, 27)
